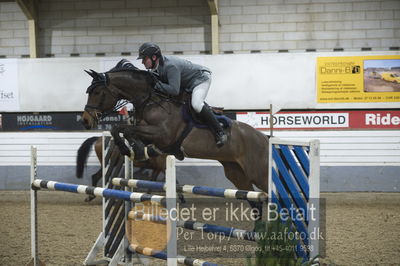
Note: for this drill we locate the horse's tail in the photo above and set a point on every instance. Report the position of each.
(83, 154)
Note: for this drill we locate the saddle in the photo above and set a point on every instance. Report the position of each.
(192, 119)
(190, 116)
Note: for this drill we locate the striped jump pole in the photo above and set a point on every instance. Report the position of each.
(98, 191)
(197, 190)
(196, 226)
(162, 255)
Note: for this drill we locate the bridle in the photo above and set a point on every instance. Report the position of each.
(94, 110)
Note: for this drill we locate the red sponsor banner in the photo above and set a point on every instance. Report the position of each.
(323, 120)
(375, 119)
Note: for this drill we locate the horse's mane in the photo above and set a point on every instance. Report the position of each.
(125, 65)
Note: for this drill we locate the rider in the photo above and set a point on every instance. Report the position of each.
(176, 74)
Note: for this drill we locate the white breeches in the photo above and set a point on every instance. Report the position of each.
(199, 94)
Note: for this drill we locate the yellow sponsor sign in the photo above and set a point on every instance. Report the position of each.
(358, 79)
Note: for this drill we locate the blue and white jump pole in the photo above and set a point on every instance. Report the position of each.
(98, 191)
(196, 190)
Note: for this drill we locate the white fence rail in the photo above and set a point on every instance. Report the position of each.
(338, 148)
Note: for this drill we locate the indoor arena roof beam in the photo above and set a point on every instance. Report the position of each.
(30, 11)
(213, 4)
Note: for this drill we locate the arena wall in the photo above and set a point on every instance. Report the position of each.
(109, 28)
(240, 82)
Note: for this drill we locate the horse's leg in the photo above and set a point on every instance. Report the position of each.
(160, 163)
(255, 165)
(236, 175)
(256, 173)
(98, 148)
(135, 136)
(180, 195)
(154, 174)
(153, 177)
(119, 142)
(95, 179)
(253, 162)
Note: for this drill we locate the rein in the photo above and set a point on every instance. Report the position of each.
(105, 82)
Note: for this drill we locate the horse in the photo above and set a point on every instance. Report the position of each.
(161, 128)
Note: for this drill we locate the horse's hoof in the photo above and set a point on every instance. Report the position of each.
(179, 156)
(125, 151)
(181, 198)
(90, 198)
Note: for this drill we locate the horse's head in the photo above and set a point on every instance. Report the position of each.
(123, 82)
(102, 98)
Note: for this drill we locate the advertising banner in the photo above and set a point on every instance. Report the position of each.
(9, 97)
(295, 120)
(63, 121)
(358, 79)
(68, 121)
(323, 120)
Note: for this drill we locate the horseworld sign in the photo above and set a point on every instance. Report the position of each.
(323, 120)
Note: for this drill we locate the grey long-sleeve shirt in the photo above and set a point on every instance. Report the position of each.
(176, 73)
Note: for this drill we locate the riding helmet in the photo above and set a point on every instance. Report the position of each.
(149, 49)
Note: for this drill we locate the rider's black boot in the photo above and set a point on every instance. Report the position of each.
(208, 117)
